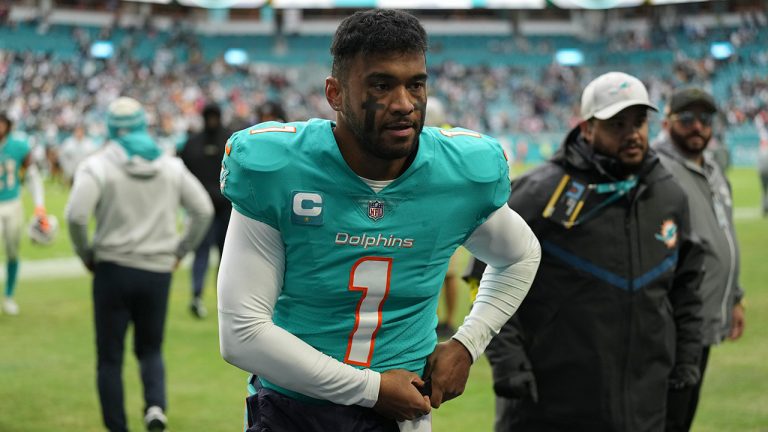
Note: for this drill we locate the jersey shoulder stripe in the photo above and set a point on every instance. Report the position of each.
(480, 157)
(263, 147)
(260, 161)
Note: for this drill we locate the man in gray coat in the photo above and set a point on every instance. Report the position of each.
(687, 132)
(134, 191)
(762, 169)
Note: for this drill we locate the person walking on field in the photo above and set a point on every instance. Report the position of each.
(16, 165)
(335, 254)
(613, 318)
(134, 191)
(687, 131)
(202, 155)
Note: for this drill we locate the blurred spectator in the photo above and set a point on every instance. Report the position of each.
(50, 92)
(73, 151)
(270, 111)
(170, 136)
(5, 12)
(202, 154)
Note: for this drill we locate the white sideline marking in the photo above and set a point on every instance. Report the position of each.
(56, 268)
(747, 213)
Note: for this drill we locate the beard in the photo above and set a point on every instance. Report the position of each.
(369, 139)
(687, 143)
(615, 163)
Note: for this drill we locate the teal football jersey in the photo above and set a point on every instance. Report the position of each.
(363, 270)
(12, 155)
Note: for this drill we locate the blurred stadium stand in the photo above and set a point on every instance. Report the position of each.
(494, 69)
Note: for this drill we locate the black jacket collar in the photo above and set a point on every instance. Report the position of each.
(575, 153)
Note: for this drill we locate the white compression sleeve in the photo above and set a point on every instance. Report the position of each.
(35, 185)
(509, 247)
(249, 283)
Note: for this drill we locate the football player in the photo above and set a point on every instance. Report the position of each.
(340, 239)
(15, 160)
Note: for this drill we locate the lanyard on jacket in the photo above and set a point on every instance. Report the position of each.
(567, 201)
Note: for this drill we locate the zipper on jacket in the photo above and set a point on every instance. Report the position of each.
(628, 233)
(731, 274)
(726, 225)
(631, 290)
(633, 198)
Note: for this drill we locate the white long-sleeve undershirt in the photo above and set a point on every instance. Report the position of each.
(251, 278)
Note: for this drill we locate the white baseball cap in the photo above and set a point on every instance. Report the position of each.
(610, 93)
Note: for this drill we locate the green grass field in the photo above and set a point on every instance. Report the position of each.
(47, 354)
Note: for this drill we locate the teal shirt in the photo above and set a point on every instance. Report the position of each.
(363, 270)
(12, 154)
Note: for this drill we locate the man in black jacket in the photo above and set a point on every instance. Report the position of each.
(613, 317)
(202, 155)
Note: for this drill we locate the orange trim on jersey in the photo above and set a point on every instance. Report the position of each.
(289, 129)
(364, 290)
(227, 149)
(451, 134)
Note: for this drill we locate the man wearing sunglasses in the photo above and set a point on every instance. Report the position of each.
(687, 132)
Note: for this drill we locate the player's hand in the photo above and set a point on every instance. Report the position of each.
(737, 322)
(88, 261)
(88, 265)
(42, 219)
(448, 369)
(399, 396)
(684, 376)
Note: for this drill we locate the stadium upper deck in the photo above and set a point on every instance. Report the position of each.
(506, 83)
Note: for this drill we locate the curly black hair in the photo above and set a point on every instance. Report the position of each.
(7, 120)
(376, 31)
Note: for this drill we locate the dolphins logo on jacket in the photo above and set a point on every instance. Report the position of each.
(668, 233)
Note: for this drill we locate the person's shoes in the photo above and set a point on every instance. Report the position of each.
(155, 419)
(445, 331)
(198, 308)
(10, 307)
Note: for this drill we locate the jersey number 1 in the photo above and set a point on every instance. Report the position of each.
(371, 276)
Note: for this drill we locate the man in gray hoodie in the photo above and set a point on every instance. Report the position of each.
(687, 132)
(134, 191)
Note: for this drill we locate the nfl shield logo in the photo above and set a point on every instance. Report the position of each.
(375, 210)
